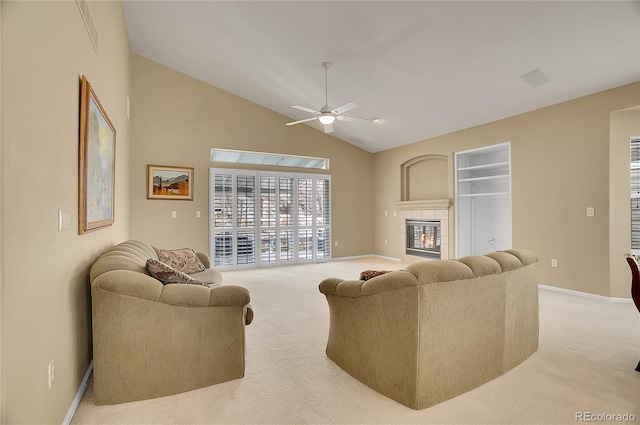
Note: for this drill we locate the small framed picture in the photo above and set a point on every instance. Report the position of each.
(166, 182)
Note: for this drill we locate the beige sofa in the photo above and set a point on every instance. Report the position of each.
(152, 340)
(438, 328)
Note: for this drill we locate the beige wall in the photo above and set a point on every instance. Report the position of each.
(45, 305)
(624, 125)
(428, 179)
(560, 166)
(176, 120)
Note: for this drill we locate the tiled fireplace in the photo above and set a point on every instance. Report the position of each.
(423, 238)
(418, 220)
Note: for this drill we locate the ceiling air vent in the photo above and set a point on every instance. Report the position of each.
(83, 6)
(535, 78)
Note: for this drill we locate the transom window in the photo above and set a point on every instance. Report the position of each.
(266, 158)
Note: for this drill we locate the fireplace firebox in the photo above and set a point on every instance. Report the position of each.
(423, 238)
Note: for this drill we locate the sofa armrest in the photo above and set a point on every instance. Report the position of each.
(130, 283)
(391, 281)
(204, 258)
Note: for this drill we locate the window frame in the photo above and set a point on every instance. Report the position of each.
(634, 186)
(315, 227)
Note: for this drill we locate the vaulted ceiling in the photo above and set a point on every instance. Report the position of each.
(426, 68)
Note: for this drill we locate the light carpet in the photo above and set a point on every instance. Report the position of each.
(584, 366)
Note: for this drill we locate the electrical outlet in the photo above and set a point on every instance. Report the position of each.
(554, 262)
(197, 214)
(52, 366)
(174, 214)
(335, 243)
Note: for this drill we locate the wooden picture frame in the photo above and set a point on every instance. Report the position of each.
(167, 182)
(97, 160)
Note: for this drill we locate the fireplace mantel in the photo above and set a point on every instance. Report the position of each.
(431, 204)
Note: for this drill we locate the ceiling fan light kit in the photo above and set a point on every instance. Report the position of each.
(326, 118)
(327, 115)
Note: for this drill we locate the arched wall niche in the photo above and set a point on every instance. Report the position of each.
(425, 178)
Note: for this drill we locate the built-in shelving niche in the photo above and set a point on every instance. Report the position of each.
(483, 200)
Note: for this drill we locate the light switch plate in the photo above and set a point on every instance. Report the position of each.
(591, 211)
(64, 220)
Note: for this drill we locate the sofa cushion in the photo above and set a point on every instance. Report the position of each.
(184, 259)
(525, 256)
(508, 262)
(481, 265)
(167, 275)
(208, 277)
(439, 271)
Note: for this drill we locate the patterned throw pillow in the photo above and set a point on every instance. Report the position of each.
(168, 275)
(185, 260)
(370, 274)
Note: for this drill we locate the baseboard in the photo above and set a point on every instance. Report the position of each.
(585, 294)
(78, 397)
(356, 257)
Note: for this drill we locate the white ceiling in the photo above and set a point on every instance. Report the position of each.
(426, 68)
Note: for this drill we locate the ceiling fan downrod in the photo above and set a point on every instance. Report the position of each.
(326, 66)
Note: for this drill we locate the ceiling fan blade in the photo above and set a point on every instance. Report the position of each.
(352, 119)
(328, 128)
(303, 108)
(298, 122)
(344, 108)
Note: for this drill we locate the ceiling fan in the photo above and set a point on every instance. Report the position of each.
(327, 115)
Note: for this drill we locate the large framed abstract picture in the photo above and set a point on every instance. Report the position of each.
(97, 163)
(165, 182)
